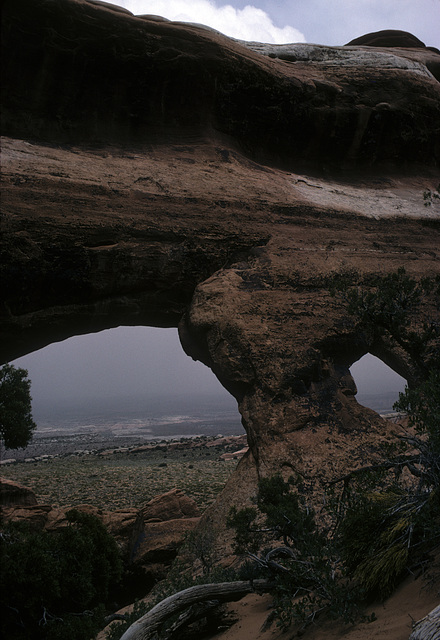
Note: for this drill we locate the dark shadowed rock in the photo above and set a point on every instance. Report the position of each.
(388, 38)
(162, 540)
(75, 71)
(109, 5)
(14, 494)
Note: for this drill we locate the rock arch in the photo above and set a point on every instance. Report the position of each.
(161, 174)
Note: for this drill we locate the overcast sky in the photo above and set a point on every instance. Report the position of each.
(330, 22)
(123, 361)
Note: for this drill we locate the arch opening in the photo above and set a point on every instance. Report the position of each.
(134, 380)
(123, 416)
(115, 413)
(378, 386)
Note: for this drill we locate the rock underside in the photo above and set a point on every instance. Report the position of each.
(156, 173)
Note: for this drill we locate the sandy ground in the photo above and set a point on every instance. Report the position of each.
(412, 601)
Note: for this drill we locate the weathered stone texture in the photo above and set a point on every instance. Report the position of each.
(173, 505)
(14, 494)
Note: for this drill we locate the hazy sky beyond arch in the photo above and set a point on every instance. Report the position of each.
(125, 361)
(374, 378)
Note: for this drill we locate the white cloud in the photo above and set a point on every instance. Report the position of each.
(249, 23)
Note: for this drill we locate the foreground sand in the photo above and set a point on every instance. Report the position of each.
(412, 601)
(415, 598)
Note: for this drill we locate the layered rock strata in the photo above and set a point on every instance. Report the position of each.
(162, 174)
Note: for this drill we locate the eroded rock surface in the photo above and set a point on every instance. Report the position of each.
(13, 493)
(173, 505)
(149, 537)
(162, 174)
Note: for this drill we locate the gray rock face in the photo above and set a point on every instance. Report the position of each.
(366, 57)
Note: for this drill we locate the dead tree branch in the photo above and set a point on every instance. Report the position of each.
(148, 626)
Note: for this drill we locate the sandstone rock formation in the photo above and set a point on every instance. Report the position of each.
(173, 505)
(13, 493)
(162, 174)
(162, 540)
(168, 518)
(236, 455)
(388, 38)
(125, 525)
(149, 536)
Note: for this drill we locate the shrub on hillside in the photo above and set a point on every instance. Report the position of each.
(307, 574)
(57, 582)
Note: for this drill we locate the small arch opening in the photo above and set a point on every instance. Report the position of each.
(378, 386)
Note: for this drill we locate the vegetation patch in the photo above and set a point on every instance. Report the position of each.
(126, 479)
(57, 583)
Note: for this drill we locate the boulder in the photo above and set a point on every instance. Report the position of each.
(36, 516)
(14, 494)
(234, 455)
(126, 526)
(388, 38)
(173, 505)
(161, 541)
(148, 536)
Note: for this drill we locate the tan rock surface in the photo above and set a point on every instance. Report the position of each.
(162, 540)
(148, 536)
(173, 505)
(37, 516)
(234, 454)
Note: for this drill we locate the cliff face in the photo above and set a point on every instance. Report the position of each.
(162, 174)
(80, 72)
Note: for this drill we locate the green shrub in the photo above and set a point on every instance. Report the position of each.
(387, 525)
(16, 422)
(307, 575)
(57, 582)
